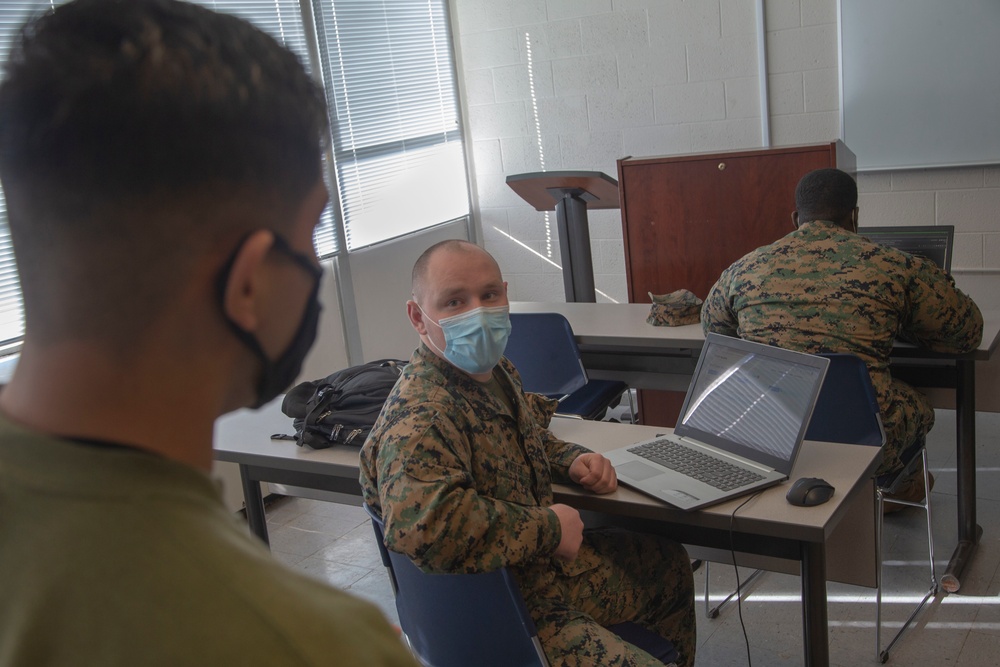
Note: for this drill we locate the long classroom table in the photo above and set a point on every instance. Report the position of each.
(616, 343)
(766, 526)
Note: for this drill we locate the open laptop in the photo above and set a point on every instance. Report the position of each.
(743, 420)
(933, 242)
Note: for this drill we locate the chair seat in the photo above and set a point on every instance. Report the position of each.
(593, 398)
(542, 348)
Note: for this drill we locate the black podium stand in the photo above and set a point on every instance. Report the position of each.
(570, 194)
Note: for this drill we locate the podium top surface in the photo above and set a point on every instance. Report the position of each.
(845, 157)
(544, 189)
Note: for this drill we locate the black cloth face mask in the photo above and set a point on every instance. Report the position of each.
(277, 375)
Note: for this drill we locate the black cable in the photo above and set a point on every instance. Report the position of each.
(739, 594)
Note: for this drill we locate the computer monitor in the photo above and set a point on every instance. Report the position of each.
(933, 242)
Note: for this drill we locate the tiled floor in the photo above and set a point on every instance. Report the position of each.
(334, 542)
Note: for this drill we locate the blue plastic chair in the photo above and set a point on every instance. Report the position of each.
(544, 351)
(848, 392)
(457, 620)
(847, 411)
(847, 408)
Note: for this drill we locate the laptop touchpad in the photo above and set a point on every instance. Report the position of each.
(637, 471)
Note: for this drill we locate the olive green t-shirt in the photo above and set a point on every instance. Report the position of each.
(112, 556)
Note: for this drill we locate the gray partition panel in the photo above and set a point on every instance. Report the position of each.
(920, 82)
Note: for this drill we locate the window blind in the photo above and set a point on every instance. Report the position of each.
(13, 14)
(390, 80)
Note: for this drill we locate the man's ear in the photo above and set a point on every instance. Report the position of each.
(795, 219)
(416, 317)
(243, 285)
(854, 218)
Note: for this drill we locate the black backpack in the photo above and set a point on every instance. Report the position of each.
(342, 407)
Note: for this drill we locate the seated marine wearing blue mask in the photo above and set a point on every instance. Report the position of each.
(460, 465)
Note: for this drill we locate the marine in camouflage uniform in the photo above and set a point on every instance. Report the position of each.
(462, 473)
(460, 465)
(823, 288)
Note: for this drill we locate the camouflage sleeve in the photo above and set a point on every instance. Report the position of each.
(435, 515)
(542, 408)
(561, 455)
(940, 317)
(716, 314)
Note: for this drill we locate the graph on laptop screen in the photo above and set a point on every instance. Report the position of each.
(933, 242)
(759, 402)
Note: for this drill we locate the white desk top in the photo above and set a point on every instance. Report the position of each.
(624, 324)
(244, 437)
(616, 324)
(847, 467)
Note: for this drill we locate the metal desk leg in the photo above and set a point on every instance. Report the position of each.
(815, 632)
(969, 531)
(254, 504)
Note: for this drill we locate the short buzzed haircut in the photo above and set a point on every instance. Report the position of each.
(826, 194)
(419, 275)
(135, 134)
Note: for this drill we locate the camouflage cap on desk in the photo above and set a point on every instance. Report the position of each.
(674, 309)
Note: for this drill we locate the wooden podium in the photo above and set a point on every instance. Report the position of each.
(686, 218)
(570, 194)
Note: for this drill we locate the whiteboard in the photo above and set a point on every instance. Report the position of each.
(920, 82)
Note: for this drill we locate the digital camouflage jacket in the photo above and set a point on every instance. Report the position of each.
(822, 288)
(462, 484)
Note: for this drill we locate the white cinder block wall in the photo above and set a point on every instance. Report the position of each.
(577, 84)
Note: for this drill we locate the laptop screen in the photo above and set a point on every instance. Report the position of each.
(752, 400)
(933, 242)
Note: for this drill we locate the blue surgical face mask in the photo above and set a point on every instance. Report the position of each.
(474, 340)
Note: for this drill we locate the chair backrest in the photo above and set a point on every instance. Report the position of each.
(847, 408)
(544, 351)
(456, 620)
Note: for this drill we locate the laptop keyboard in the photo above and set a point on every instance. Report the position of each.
(702, 467)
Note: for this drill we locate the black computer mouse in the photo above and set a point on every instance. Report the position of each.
(809, 491)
